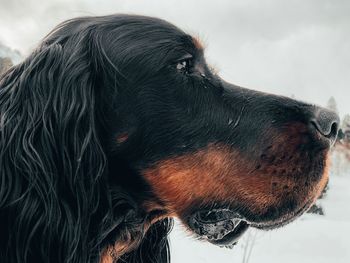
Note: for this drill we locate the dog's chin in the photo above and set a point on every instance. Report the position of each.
(224, 227)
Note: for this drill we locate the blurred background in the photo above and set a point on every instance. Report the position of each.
(297, 48)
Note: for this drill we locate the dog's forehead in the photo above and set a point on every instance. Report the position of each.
(140, 41)
(155, 32)
(129, 28)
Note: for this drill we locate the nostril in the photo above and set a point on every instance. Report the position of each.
(334, 130)
(326, 123)
(327, 131)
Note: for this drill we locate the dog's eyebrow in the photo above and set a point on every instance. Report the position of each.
(197, 43)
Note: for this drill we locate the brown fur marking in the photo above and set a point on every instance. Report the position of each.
(198, 44)
(218, 174)
(122, 138)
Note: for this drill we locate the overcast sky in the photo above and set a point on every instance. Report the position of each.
(299, 47)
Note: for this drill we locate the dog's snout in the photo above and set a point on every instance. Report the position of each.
(326, 122)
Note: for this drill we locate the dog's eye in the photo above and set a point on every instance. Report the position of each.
(185, 65)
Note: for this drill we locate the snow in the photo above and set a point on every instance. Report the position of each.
(311, 238)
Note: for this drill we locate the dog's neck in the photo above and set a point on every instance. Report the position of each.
(133, 212)
(140, 211)
(129, 238)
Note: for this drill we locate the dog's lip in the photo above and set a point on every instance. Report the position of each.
(221, 227)
(224, 227)
(273, 224)
(231, 238)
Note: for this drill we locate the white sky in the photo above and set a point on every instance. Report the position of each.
(299, 47)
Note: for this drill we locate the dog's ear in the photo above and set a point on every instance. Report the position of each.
(154, 246)
(51, 158)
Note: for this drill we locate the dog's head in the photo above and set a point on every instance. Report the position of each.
(184, 142)
(218, 156)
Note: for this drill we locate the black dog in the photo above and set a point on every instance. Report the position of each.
(115, 124)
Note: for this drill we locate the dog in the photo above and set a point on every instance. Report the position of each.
(114, 125)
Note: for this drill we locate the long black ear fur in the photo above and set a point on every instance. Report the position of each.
(51, 160)
(55, 202)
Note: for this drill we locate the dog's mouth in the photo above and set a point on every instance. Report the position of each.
(221, 227)
(224, 227)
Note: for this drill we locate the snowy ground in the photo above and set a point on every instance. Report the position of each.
(312, 238)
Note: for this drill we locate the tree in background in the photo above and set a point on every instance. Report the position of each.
(341, 151)
(332, 104)
(345, 127)
(5, 63)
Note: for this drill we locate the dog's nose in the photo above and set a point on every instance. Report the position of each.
(326, 123)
